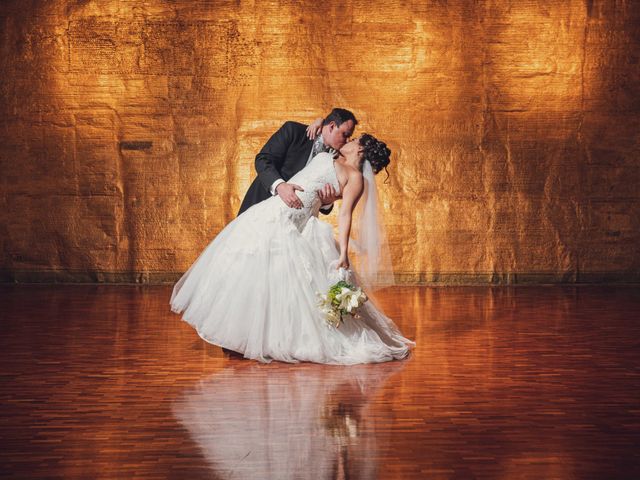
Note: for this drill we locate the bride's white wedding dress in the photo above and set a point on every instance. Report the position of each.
(254, 287)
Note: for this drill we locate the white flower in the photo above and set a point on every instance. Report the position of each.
(350, 299)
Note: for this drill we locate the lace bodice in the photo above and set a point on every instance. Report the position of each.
(314, 177)
(311, 178)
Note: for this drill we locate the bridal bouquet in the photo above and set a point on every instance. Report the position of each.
(341, 299)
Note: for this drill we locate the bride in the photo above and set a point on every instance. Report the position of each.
(254, 289)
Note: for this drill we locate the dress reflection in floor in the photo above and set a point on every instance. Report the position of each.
(287, 422)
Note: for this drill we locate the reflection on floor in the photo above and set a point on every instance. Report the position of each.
(511, 382)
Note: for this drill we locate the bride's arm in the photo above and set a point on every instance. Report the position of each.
(351, 193)
(315, 128)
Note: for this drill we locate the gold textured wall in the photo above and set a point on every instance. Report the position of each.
(128, 129)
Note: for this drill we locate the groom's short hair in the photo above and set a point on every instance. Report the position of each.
(339, 115)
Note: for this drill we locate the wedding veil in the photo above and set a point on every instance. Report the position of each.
(371, 255)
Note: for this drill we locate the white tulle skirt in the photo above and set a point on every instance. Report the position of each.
(254, 290)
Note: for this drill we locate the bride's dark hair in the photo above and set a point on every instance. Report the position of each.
(376, 152)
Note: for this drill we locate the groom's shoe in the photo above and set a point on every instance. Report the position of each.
(231, 353)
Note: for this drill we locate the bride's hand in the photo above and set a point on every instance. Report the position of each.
(314, 129)
(343, 262)
(327, 194)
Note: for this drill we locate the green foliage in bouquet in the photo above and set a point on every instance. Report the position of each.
(334, 293)
(341, 299)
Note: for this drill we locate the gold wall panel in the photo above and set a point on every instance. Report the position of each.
(128, 129)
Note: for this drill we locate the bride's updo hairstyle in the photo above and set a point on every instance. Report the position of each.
(375, 152)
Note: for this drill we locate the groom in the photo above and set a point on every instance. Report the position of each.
(288, 151)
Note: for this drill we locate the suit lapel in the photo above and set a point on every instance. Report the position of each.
(298, 153)
(302, 155)
(307, 152)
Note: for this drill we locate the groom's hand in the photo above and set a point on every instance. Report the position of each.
(287, 192)
(327, 194)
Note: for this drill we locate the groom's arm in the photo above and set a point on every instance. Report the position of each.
(270, 159)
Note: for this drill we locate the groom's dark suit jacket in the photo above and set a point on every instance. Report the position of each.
(284, 155)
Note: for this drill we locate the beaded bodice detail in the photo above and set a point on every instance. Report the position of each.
(311, 178)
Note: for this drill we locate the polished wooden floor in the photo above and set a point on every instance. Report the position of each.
(505, 382)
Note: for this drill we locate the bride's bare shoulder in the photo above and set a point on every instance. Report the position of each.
(354, 178)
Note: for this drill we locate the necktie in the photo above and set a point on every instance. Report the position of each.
(318, 146)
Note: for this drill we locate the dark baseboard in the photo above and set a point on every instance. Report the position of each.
(403, 278)
(67, 276)
(517, 278)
